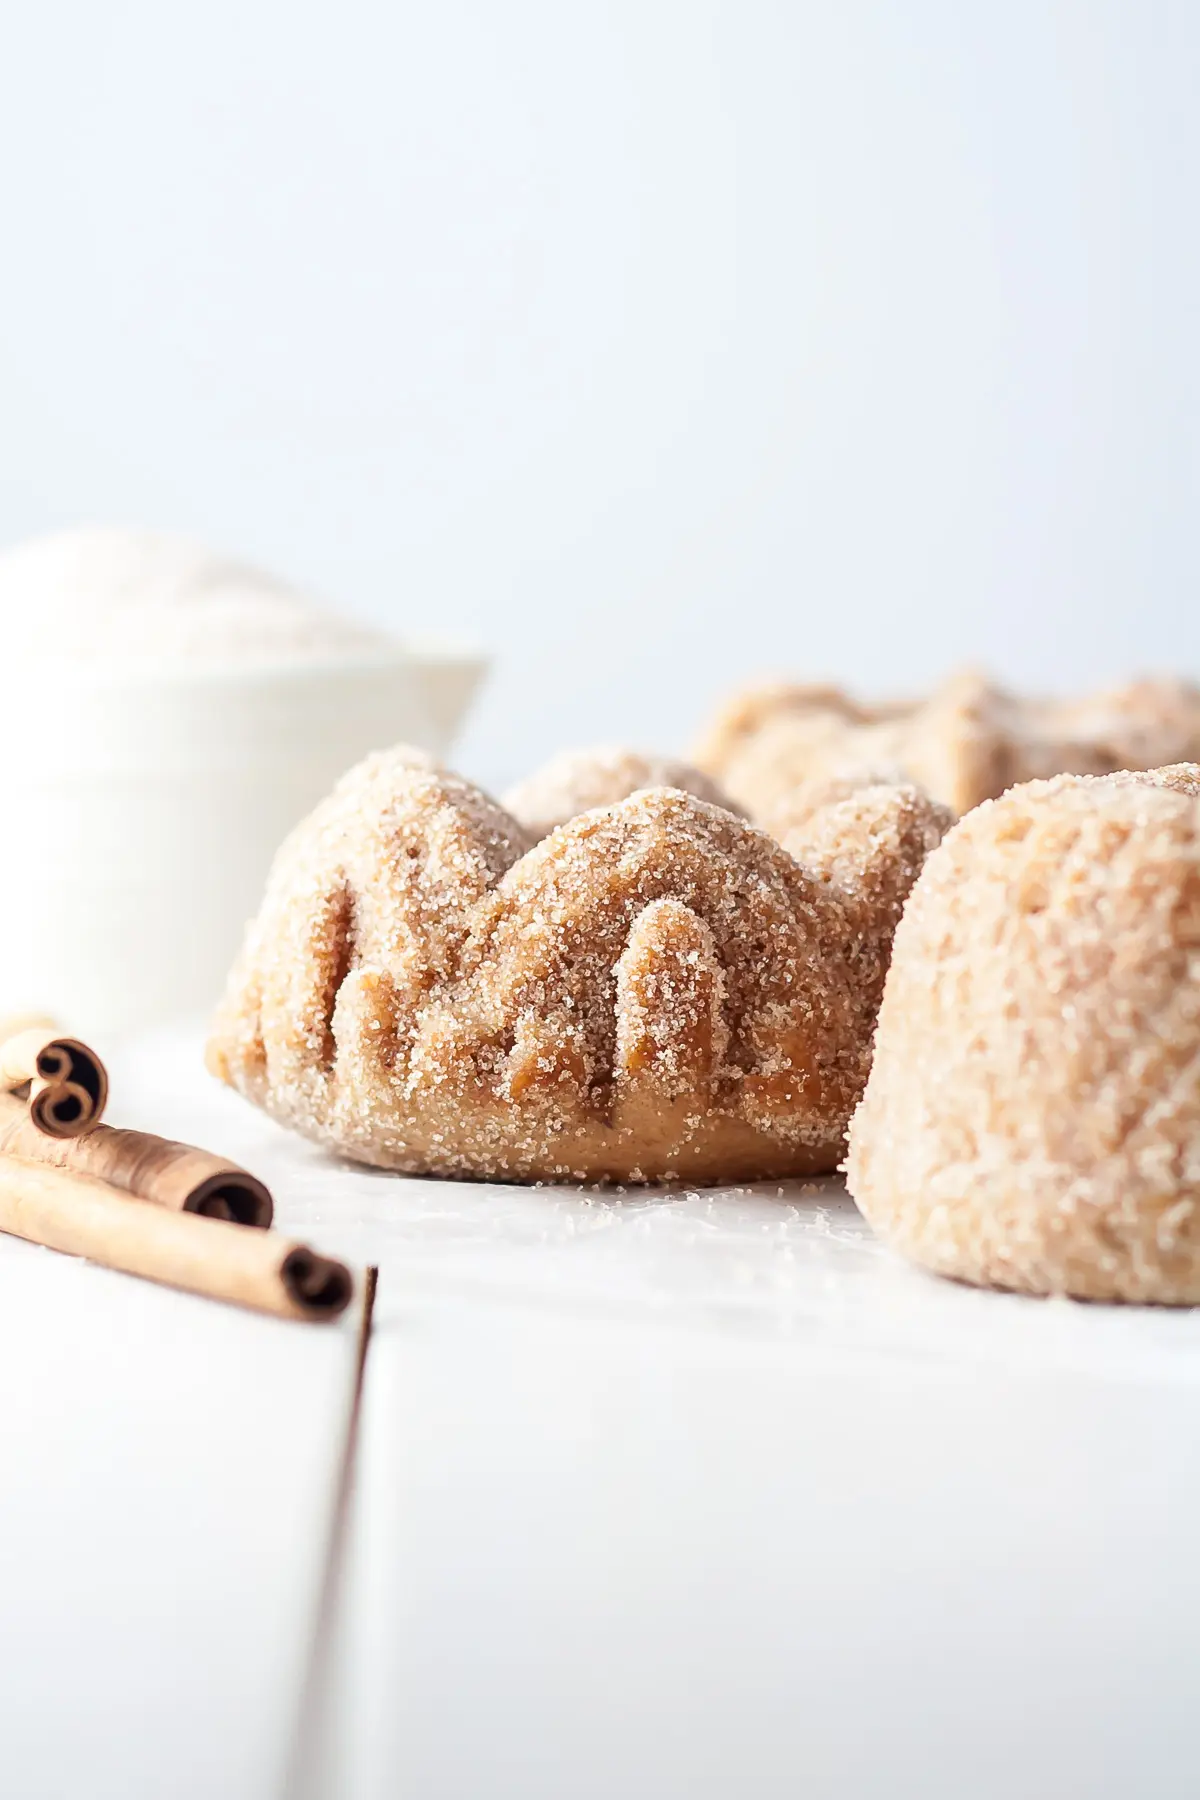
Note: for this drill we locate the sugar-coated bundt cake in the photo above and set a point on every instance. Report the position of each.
(968, 742)
(576, 781)
(1032, 1118)
(655, 989)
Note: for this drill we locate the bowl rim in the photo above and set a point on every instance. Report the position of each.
(408, 659)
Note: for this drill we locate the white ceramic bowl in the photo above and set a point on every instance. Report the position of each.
(143, 808)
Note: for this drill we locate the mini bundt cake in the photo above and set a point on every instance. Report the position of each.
(1032, 1118)
(656, 989)
(968, 742)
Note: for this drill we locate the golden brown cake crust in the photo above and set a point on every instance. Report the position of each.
(1032, 1118)
(968, 742)
(655, 989)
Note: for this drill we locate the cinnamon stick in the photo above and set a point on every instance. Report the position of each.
(85, 1217)
(177, 1176)
(68, 1084)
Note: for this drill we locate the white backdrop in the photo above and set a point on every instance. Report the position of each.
(658, 342)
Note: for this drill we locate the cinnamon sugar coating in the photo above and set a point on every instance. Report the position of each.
(655, 989)
(576, 781)
(870, 840)
(969, 742)
(1032, 1118)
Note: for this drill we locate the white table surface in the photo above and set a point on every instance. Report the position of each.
(660, 1494)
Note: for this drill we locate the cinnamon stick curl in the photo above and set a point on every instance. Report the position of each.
(67, 1082)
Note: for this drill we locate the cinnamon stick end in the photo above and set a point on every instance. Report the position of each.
(236, 1196)
(319, 1285)
(62, 1110)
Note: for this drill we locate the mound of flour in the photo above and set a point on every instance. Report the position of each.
(126, 597)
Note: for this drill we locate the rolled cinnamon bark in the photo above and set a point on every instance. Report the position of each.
(68, 1084)
(85, 1217)
(177, 1176)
